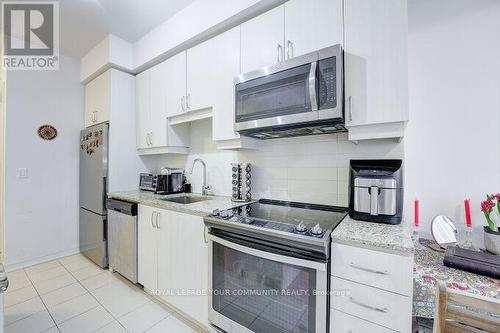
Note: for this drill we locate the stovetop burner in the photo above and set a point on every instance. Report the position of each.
(302, 219)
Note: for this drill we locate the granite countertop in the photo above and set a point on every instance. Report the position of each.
(377, 236)
(202, 208)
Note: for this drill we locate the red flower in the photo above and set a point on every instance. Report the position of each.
(487, 205)
(495, 197)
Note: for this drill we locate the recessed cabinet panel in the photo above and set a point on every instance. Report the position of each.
(312, 25)
(375, 56)
(262, 40)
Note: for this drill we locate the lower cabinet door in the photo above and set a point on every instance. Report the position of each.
(341, 322)
(183, 264)
(147, 249)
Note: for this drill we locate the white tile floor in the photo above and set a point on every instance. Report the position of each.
(74, 295)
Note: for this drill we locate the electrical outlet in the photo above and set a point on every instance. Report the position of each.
(22, 173)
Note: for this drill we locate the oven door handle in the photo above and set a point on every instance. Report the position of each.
(319, 266)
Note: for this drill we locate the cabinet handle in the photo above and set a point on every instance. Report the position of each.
(188, 101)
(205, 229)
(150, 138)
(152, 223)
(374, 271)
(147, 140)
(289, 49)
(349, 101)
(366, 306)
(183, 100)
(158, 220)
(279, 50)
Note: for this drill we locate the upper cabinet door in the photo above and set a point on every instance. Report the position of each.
(175, 73)
(375, 55)
(200, 75)
(98, 99)
(158, 110)
(142, 108)
(262, 40)
(312, 25)
(226, 64)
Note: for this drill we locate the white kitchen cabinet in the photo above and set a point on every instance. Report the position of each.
(226, 58)
(142, 98)
(175, 76)
(147, 246)
(183, 263)
(376, 73)
(173, 259)
(201, 87)
(154, 134)
(98, 99)
(312, 25)
(262, 40)
(158, 112)
(379, 285)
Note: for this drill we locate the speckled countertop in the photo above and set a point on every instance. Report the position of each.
(201, 208)
(376, 236)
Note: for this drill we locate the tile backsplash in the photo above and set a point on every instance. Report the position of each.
(311, 169)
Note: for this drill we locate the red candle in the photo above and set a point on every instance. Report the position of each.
(468, 219)
(417, 213)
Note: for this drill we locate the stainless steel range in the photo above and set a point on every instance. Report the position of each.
(269, 266)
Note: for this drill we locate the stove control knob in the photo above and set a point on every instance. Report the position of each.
(316, 230)
(216, 212)
(226, 214)
(301, 227)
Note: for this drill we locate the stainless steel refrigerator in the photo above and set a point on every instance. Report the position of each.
(93, 188)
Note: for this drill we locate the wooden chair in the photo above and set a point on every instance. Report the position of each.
(453, 312)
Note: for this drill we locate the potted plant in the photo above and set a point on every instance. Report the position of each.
(491, 233)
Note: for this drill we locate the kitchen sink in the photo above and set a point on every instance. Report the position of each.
(185, 199)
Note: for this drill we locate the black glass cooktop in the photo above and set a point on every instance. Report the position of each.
(286, 216)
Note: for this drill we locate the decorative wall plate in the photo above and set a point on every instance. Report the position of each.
(47, 132)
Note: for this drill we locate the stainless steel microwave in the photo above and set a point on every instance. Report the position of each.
(301, 96)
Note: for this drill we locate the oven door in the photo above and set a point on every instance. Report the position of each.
(287, 96)
(255, 290)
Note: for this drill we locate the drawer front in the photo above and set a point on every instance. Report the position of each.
(374, 305)
(378, 269)
(341, 322)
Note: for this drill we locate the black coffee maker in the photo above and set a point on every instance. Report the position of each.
(376, 191)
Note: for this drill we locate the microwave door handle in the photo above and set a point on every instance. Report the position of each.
(312, 86)
(374, 191)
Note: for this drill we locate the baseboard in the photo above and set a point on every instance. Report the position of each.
(39, 260)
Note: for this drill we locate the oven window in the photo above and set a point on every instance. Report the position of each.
(262, 295)
(283, 93)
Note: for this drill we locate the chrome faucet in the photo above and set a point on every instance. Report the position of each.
(205, 189)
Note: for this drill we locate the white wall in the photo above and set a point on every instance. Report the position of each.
(306, 169)
(42, 210)
(452, 141)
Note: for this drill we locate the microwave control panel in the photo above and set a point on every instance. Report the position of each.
(327, 78)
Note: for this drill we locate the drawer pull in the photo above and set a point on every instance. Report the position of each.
(366, 306)
(374, 271)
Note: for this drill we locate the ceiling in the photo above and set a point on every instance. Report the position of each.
(84, 23)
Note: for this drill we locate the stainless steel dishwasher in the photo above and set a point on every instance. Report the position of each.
(122, 238)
